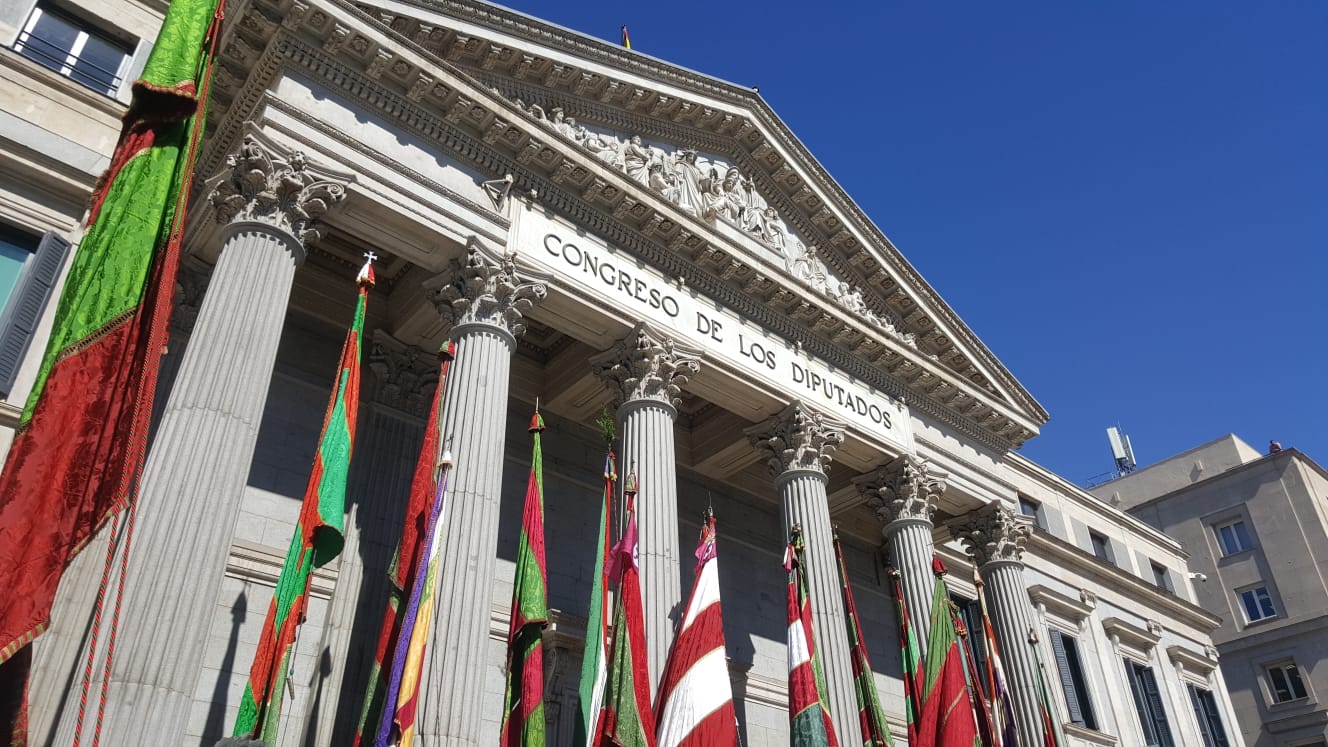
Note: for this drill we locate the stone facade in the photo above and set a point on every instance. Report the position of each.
(768, 351)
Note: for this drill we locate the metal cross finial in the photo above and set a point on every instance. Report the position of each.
(369, 257)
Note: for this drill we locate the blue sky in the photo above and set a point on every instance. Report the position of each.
(1127, 201)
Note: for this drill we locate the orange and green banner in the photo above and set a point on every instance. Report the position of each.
(947, 718)
(595, 659)
(523, 706)
(318, 538)
(809, 714)
(82, 437)
(871, 717)
(628, 719)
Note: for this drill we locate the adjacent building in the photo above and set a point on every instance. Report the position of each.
(592, 227)
(1256, 529)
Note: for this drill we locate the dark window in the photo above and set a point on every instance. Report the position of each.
(1148, 704)
(73, 48)
(1233, 537)
(1073, 681)
(1284, 679)
(1208, 716)
(34, 271)
(1030, 507)
(1101, 547)
(1161, 577)
(1258, 604)
(970, 614)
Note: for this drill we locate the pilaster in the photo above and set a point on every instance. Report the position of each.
(269, 200)
(994, 537)
(483, 297)
(647, 370)
(798, 443)
(904, 493)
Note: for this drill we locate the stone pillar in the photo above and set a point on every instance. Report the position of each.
(483, 299)
(647, 370)
(195, 474)
(387, 447)
(904, 492)
(797, 444)
(994, 536)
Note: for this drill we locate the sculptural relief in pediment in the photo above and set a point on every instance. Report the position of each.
(714, 190)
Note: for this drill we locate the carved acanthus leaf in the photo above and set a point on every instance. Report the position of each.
(404, 375)
(647, 364)
(905, 488)
(993, 533)
(264, 182)
(797, 438)
(486, 289)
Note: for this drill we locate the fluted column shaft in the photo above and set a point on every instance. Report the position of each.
(1013, 618)
(911, 550)
(193, 484)
(903, 493)
(797, 443)
(647, 370)
(646, 432)
(994, 536)
(803, 497)
(484, 300)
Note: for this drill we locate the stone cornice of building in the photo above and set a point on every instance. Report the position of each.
(1129, 634)
(1285, 455)
(1091, 502)
(474, 124)
(1068, 608)
(1091, 736)
(1200, 664)
(1062, 554)
(590, 86)
(1275, 631)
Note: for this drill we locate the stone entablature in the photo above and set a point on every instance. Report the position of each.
(350, 54)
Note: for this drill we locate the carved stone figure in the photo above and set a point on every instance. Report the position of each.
(636, 160)
(689, 181)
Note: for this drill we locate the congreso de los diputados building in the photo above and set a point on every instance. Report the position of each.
(596, 231)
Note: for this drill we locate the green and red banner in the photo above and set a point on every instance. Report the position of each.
(82, 437)
(318, 538)
(947, 718)
(407, 563)
(809, 714)
(594, 661)
(628, 719)
(911, 657)
(523, 704)
(871, 717)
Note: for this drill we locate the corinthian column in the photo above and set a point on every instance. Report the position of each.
(903, 493)
(386, 449)
(797, 444)
(484, 299)
(268, 200)
(648, 369)
(994, 537)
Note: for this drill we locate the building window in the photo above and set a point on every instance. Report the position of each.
(1073, 682)
(1161, 577)
(1285, 683)
(970, 614)
(1233, 537)
(1258, 604)
(1208, 716)
(73, 48)
(1101, 547)
(1148, 705)
(1031, 508)
(29, 268)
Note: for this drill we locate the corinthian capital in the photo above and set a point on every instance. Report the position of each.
(993, 534)
(266, 183)
(798, 438)
(647, 365)
(905, 488)
(486, 288)
(404, 375)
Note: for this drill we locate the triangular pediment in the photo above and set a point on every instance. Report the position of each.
(720, 154)
(682, 167)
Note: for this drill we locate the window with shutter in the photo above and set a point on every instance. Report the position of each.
(1210, 721)
(1148, 704)
(1073, 681)
(32, 291)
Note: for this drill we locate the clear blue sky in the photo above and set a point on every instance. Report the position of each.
(1127, 201)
